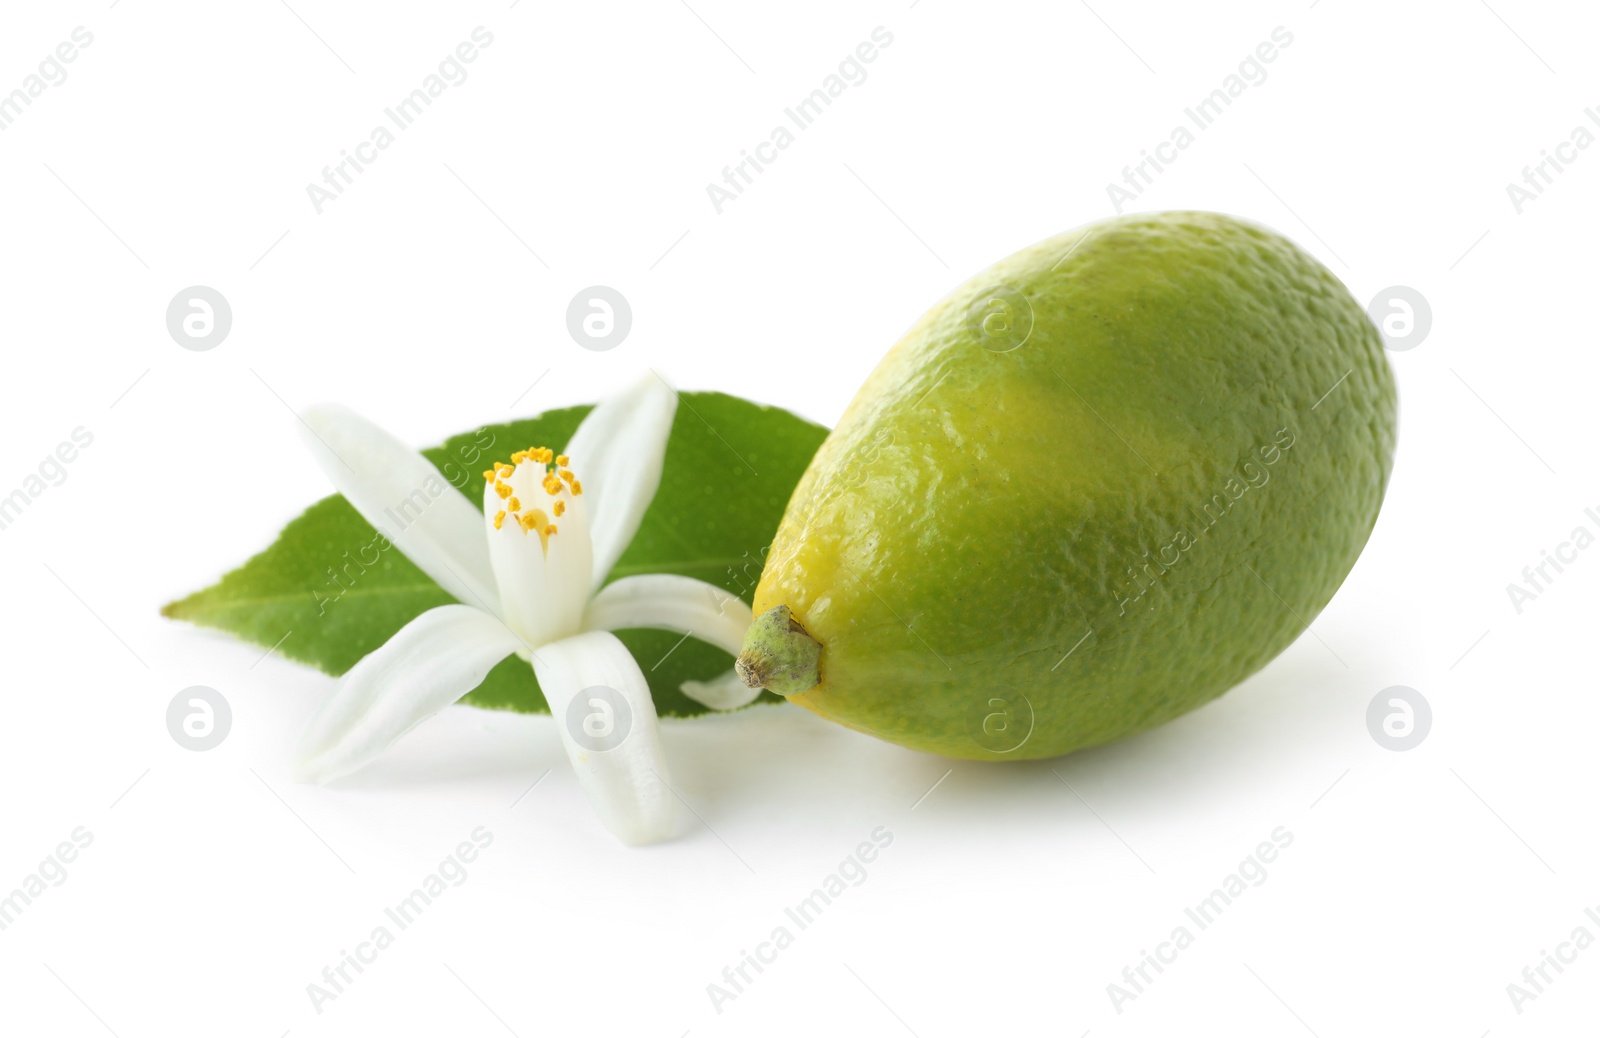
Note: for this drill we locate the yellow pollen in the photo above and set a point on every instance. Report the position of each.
(503, 489)
(554, 480)
(499, 517)
(488, 475)
(561, 506)
(540, 524)
(514, 505)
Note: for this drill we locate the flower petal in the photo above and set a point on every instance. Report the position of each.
(410, 502)
(617, 453)
(724, 692)
(430, 663)
(607, 720)
(542, 576)
(671, 603)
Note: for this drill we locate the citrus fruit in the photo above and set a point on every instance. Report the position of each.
(1094, 488)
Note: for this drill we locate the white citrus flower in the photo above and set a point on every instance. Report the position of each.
(527, 573)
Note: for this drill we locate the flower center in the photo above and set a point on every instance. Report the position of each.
(554, 477)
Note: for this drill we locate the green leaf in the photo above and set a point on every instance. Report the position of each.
(332, 589)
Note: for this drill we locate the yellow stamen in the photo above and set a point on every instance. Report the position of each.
(561, 506)
(555, 480)
(503, 489)
(514, 505)
(540, 524)
(488, 475)
(499, 517)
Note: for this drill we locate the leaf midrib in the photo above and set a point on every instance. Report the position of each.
(415, 588)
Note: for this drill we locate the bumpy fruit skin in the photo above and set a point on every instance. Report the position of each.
(1015, 551)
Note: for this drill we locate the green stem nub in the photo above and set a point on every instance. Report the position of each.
(778, 655)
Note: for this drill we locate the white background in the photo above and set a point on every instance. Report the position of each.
(432, 294)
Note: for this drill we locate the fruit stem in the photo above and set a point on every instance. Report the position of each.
(778, 655)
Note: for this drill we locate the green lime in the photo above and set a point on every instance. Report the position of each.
(1097, 486)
